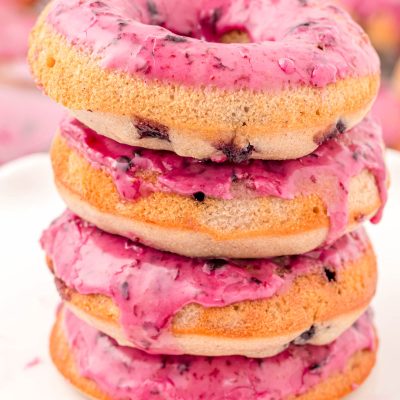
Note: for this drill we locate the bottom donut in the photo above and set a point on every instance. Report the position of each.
(103, 370)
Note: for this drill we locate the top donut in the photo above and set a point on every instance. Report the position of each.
(220, 79)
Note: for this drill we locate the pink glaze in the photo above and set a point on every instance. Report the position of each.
(387, 110)
(327, 171)
(28, 121)
(295, 42)
(33, 363)
(149, 286)
(125, 373)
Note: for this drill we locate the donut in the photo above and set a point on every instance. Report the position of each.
(27, 122)
(16, 23)
(161, 75)
(215, 307)
(99, 368)
(17, 19)
(381, 19)
(386, 111)
(396, 78)
(256, 209)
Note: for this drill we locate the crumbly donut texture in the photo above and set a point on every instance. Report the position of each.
(94, 364)
(205, 99)
(246, 226)
(216, 307)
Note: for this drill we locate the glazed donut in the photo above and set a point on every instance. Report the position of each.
(27, 122)
(386, 111)
(396, 78)
(17, 19)
(381, 19)
(99, 368)
(254, 308)
(143, 75)
(15, 26)
(256, 209)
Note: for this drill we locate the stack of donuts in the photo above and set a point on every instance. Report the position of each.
(218, 161)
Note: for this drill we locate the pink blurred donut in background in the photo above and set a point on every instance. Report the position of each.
(381, 20)
(28, 119)
(387, 111)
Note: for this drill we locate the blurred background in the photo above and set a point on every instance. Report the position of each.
(28, 119)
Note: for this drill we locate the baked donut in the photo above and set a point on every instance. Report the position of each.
(386, 111)
(102, 370)
(396, 78)
(17, 20)
(27, 122)
(156, 74)
(163, 303)
(381, 19)
(256, 209)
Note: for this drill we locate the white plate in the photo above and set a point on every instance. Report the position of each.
(28, 202)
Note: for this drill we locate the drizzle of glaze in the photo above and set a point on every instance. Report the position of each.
(327, 172)
(126, 373)
(150, 287)
(293, 43)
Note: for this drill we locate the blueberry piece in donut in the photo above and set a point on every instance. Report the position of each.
(308, 335)
(330, 275)
(236, 154)
(151, 129)
(199, 196)
(339, 128)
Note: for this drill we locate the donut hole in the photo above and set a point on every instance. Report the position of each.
(50, 61)
(235, 36)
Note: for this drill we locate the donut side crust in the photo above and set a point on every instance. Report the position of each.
(247, 227)
(200, 121)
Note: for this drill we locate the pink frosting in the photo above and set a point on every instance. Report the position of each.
(294, 42)
(28, 121)
(149, 286)
(387, 111)
(336, 162)
(125, 373)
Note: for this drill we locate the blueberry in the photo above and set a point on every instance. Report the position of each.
(151, 129)
(236, 154)
(308, 335)
(199, 196)
(330, 275)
